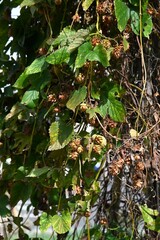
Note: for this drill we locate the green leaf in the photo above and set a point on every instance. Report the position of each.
(135, 21)
(59, 56)
(83, 51)
(147, 24)
(36, 172)
(116, 110)
(77, 97)
(20, 191)
(103, 110)
(91, 112)
(125, 44)
(38, 65)
(134, 2)
(22, 81)
(65, 37)
(61, 223)
(86, 4)
(146, 210)
(122, 13)
(60, 135)
(30, 98)
(101, 55)
(53, 132)
(44, 222)
(29, 3)
(78, 39)
(3, 206)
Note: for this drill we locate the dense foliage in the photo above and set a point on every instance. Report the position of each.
(79, 138)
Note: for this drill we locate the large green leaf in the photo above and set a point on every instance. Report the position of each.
(20, 191)
(61, 223)
(78, 39)
(101, 55)
(59, 56)
(122, 13)
(86, 4)
(60, 135)
(38, 65)
(150, 217)
(109, 104)
(30, 98)
(148, 211)
(64, 37)
(83, 51)
(77, 97)
(71, 38)
(22, 81)
(116, 110)
(29, 2)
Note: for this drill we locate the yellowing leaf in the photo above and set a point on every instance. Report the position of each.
(133, 133)
(86, 4)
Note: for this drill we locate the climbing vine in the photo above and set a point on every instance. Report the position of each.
(79, 124)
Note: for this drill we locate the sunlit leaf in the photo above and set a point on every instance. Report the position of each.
(146, 210)
(44, 222)
(61, 223)
(86, 4)
(125, 44)
(15, 110)
(60, 135)
(59, 56)
(36, 66)
(29, 2)
(36, 172)
(77, 97)
(133, 133)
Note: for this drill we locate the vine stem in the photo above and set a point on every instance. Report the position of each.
(97, 23)
(144, 71)
(88, 229)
